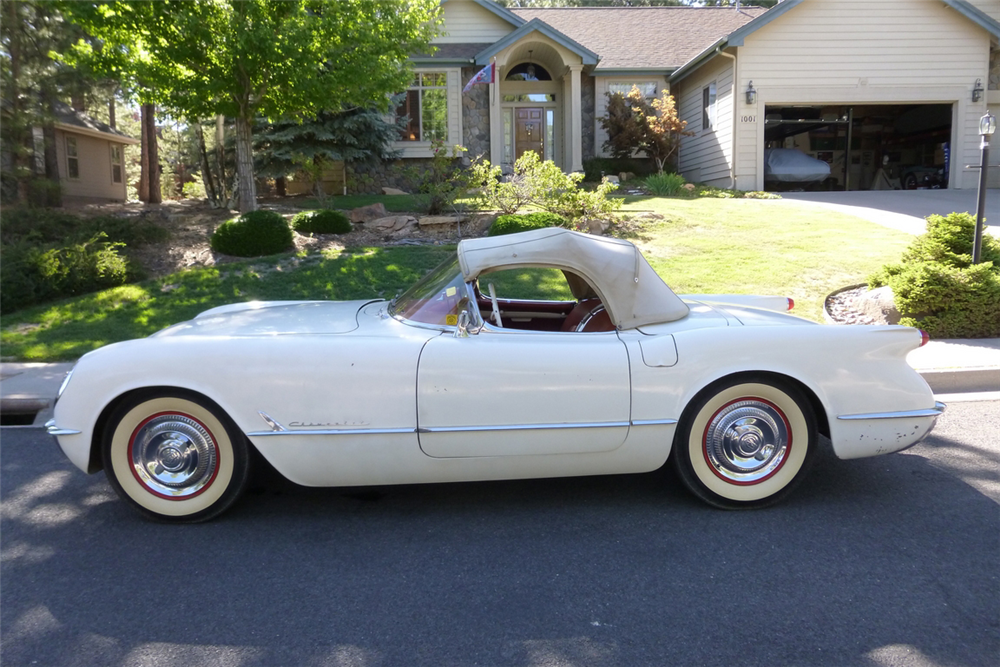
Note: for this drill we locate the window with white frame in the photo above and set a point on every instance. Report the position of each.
(648, 88)
(116, 163)
(708, 105)
(72, 158)
(426, 108)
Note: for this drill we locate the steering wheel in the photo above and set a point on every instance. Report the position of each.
(496, 307)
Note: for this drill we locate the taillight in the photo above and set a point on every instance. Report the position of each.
(791, 302)
(924, 337)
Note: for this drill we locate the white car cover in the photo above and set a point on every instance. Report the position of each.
(630, 289)
(789, 165)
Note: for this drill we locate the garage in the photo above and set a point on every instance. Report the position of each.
(856, 147)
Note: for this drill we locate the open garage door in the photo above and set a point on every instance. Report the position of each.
(856, 147)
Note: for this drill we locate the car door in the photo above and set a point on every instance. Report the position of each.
(522, 393)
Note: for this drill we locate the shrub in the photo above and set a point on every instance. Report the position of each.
(323, 221)
(664, 184)
(936, 286)
(253, 234)
(511, 224)
(596, 168)
(31, 274)
(441, 181)
(507, 194)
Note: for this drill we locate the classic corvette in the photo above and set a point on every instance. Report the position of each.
(449, 382)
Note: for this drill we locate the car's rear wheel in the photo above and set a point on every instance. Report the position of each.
(174, 457)
(745, 442)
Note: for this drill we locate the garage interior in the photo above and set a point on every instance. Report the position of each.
(867, 147)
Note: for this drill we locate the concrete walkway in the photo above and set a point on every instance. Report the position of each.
(904, 210)
(949, 366)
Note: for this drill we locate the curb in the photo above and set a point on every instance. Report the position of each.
(962, 381)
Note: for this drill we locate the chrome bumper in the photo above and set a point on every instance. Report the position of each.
(51, 427)
(935, 412)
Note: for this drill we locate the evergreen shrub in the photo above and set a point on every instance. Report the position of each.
(511, 224)
(937, 287)
(253, 234)
(323, 221)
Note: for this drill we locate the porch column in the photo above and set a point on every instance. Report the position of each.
(574, 117)
(496, 121)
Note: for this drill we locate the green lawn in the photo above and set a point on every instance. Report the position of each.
(701, 245)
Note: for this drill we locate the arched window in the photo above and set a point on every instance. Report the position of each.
(528, 72)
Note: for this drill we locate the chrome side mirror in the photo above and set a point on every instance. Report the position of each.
(462, 330)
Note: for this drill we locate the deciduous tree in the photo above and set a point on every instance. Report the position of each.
(245, 59)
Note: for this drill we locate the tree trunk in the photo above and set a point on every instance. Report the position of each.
(20, 132)
(149, 179)
(220, 156)
(279, 186)
(53, 194)
(111, 113)
(244, 165)
(206, 169)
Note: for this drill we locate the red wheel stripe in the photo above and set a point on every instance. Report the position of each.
(142, 483)
(704, 442)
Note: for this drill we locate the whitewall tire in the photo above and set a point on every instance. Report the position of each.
(174, 458)
(745, 442)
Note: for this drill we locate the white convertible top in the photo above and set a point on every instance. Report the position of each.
(630, 289)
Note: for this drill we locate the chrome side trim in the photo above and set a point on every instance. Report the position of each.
(336, 431)
(653, 422)
(936, 411)
(51, 427)
(521, 427)
(273, 423)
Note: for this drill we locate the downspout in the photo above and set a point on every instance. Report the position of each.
(732, 165)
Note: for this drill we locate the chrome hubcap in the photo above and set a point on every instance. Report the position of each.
(174, 455)
(747, 441)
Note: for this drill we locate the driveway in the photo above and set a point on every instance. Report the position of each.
(904, 209)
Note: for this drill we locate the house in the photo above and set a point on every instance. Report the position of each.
(91, 157)
(878, 89)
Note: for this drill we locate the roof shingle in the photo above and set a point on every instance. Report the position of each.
(644, 37)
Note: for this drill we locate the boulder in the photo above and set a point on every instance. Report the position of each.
(689, 187)
(368, 213)
(878, 305)
(393, 191)
(597, 227)
(626, 176)
(394, 223)
(612, 179)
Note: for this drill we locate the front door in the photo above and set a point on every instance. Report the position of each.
(522, 393)
(529, 131)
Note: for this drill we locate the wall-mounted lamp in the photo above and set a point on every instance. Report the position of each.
(977, 91)
(751, 94)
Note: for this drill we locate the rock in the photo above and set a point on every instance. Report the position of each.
(689, 187)
(878, 305)
(612, 179)
(597, 227)
(437, 220)
(393, 191)
(394, 223)
(626, 176)
(368, 213)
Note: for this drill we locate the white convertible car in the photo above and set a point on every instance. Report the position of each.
(447, 382)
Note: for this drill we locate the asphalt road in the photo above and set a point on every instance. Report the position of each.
(887, 561)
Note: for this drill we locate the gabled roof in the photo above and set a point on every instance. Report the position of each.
(644, 39)
(588, 56)
(976, 15)
(502, 12)
(69, 119)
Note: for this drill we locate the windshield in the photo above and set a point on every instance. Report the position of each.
(436, 299)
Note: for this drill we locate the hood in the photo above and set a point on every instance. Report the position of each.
(267, 318)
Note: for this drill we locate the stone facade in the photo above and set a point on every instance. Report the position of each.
(368, 178)
(588, 98)
(475, 116)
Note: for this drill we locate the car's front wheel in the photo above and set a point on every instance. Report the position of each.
(174, 457)
(745, 442)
